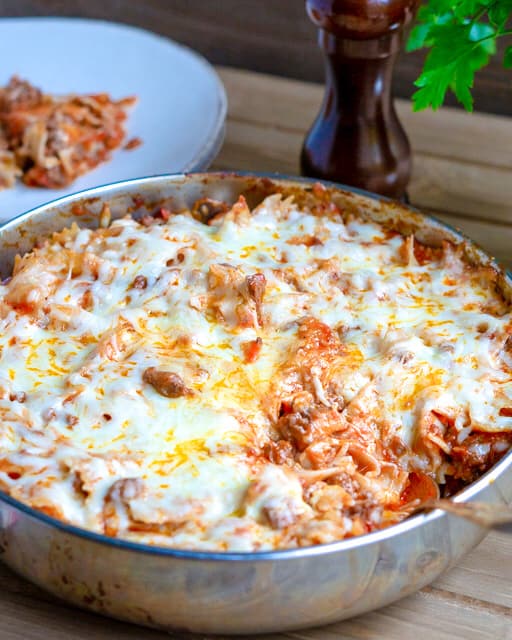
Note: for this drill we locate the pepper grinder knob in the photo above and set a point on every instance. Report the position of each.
(357, 138)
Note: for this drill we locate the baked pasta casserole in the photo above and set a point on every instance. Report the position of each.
(49, 141)
(224, 378)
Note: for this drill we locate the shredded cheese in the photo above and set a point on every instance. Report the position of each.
(269, 379)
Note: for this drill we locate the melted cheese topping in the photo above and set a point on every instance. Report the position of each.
(271, 379)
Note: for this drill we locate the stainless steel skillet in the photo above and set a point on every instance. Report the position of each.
(234, 593)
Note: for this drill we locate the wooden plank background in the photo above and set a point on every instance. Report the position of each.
(272, 36)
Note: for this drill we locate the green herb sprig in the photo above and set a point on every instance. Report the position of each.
(461, 36)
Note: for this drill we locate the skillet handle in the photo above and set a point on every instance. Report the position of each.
(488, 515)
(504, 527)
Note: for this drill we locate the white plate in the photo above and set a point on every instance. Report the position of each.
(181, 109)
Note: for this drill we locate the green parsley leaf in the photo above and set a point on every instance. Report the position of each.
(499, 13)
(459, 50)
(507, 58)
(461, 36)
(418, 37)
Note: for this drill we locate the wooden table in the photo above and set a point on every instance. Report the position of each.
(462, 172)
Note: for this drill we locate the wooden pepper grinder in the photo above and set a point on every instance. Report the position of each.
(357, 138)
